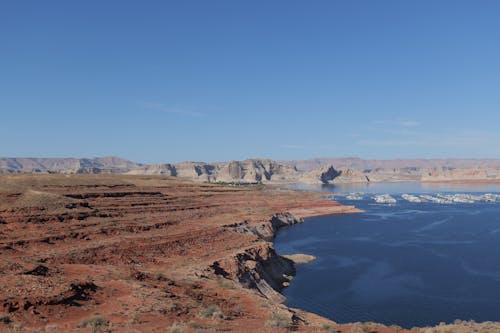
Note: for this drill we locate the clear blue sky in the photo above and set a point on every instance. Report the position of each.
(157, 81)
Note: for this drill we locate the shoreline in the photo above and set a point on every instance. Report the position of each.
(180, 253)
(305, 258)
(182, 247)
(462, 325)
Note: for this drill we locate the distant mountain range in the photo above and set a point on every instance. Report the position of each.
(66, 165)
(361, 164)
(313, 171)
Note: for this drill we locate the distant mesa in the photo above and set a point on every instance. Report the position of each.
(66, 165)
(330, 175)
(314, 171)
(460, 174)
(164, 169)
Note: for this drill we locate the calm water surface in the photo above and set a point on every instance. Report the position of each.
(410, 264)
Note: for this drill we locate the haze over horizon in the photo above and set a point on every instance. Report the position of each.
(230, 80)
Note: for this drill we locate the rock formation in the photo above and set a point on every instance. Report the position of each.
(329, 175)
(155, 169)
(322, 175)
(198, 171)
(256, 170)
(300, 258)
(461, 175)
(346, 175)
(66, 165)
(316, 171)
(265, 230)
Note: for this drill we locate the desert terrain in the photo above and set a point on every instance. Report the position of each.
(123, 253)
(127, 253)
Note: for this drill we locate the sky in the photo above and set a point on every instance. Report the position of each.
(168, 81)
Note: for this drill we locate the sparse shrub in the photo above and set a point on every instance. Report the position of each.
(174, 306)
(5, 319)
(212, 311)
(237, 310)
(195, 325)
(94, 322)
(368, 328)
(52, 328)
(134, 320)
(176, 328)
(16, 328)
(326, 327)
(225, 284)
(329, 328)
(278, 320)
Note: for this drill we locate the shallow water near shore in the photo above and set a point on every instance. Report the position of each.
(409, 264)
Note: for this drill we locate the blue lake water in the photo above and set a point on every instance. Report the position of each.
(410, 264)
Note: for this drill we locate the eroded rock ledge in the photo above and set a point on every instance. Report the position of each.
(260, 267)
(266, 229)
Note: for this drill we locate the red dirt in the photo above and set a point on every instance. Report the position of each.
(139, 252)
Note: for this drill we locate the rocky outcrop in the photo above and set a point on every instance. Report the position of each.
(256, 170)
(197, 171)
(461, 175)
(330, 175)
(259, 268)
(155, 169)
(322, 175)
(299, 258)
(66, 165)
(408, 174)
(267, 229)
(347, 176)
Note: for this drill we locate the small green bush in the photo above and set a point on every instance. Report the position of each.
(329, 328)
(225, 283)
(195, 325)
(279, 321)
(94, 322)
(176, 328)
(5, 319)
(212, 311)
